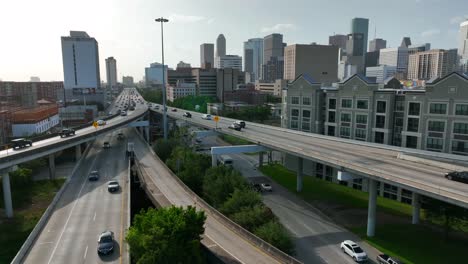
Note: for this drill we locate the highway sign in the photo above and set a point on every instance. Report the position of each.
(95, 124)
(216, 119)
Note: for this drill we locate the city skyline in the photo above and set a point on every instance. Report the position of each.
(135, 42)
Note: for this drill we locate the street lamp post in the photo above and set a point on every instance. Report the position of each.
(162, 21)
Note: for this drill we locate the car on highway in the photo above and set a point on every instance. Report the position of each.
(105, 243)
(386, 259)
(156, 107)
(120, 135)
(93, 176)
(266, 187)
(460, 176)
(174, 109)
(21, 143)
(101, 122)
(123, 113)
(187, 114)
(235, 126)
(240, 123)
(106, 145)
(206, 116)
(67, 132)
(113, 186)
(353, 250)
(132, 108)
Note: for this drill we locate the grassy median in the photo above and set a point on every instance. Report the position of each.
(29, 204)
(234, 140)
(397, 237)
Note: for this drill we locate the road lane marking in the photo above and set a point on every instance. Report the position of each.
(85, 252)
(94, 218)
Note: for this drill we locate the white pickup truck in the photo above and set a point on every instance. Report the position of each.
(386, 259)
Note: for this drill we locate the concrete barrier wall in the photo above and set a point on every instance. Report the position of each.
(434, 163)
(45, 217)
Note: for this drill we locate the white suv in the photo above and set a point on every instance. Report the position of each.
(353, 250)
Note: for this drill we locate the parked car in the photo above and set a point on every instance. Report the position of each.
(460, 176)
(105, 243)
(187, 114)
(67, 132)
(240, 123)
(106, 144)
(353, 250)
(101, 122)
(386, 259)
(235, 126)
(113, 186)
(21, 143)
(266, 187)
(206, 117)
(93, 176)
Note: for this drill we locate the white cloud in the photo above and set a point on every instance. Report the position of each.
(430, 33)
(279, 27)
(458, 19)
(179, 18)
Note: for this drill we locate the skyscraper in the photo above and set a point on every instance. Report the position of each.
(338, 40)
(206, 55)
(229, 61)
(355, 44)
(273, 57)
(248, 60)
(405, 42)
(111, 72)
(377, 44)
(361, 25)
(256, 45)
(433, 63)
(81, 73)
(463, 46)
(395, 57)
(220, 46)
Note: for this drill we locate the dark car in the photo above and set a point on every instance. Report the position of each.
(187, 114)
(235, 126)
(106, 145)
(93, 176)
(120, 135)
(106, 243)
(460, 176)
(67, 132)
(21, 143)
(256, 187)
(174, 110)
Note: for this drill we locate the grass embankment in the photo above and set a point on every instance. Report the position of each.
(29, 204)
(410, 243)
(234, 140)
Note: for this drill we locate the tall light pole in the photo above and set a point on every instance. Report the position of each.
(162, 21)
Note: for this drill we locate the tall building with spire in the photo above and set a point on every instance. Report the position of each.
(220, 46)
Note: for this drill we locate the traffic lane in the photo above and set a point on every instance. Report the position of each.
(235, 245)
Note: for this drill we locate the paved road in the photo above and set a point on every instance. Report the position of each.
(86, 209)
(378, 162)
(236, 246)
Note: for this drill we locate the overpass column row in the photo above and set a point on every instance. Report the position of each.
(7, 193)
(260, 159)
(52, 166)
(300, 162)
(416, 208)
(372, 208)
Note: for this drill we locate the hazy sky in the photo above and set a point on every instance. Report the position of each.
(31, 29)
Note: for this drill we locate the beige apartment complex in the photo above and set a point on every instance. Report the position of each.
(432, 63)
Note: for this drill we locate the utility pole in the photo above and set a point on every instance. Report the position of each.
(162, 21)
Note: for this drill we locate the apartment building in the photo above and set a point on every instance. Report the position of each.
(433, 63)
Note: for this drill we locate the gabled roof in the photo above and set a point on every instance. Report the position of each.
(306, 77)
(360, 76)
(435, 80)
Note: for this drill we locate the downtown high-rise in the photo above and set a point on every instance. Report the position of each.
(111, 73)
(463, 46)
(206, 55)
(253, 57)
(361, 25)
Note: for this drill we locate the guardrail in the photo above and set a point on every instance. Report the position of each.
(256, 241)
(45, 217)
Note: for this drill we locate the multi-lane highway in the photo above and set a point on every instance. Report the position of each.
(380, 163)
(86, 209)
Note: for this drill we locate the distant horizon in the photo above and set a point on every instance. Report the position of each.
(128, 32)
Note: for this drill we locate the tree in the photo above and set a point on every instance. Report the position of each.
(241, 199)
(21, 177)
(164, 147)
(448, 214)
(167, 235)
(219, 183)
(252, 217)
(274, 233)
(151, 95)
(190, 102)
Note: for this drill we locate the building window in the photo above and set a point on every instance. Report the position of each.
(411, 142)
(345, 132)
(357, 184)
(460, 128)
(361, 119)
(295, 100)
(379, 137)
(346, 103)
(331, 117)
(439, 109)
(306, 100)
(461, 147)
(413, 124)
(345, 117)
(399, 105)
(381, 107)
(414, 109)
(306, 120)
(294, 119)
(331, 131)
(362, 104)
(390, 191)
(461, 109)
(435, 143)
(380, 121)
(360, 134)
(331, 103)
(436, 126)
(406, 196)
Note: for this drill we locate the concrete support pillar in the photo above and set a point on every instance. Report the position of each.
(416, 208)
(52, 166)
(77, 152)
(372, 208)
(300, 166)
(147, 134)
(214, 160)
(7, 194)
(260, 159)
